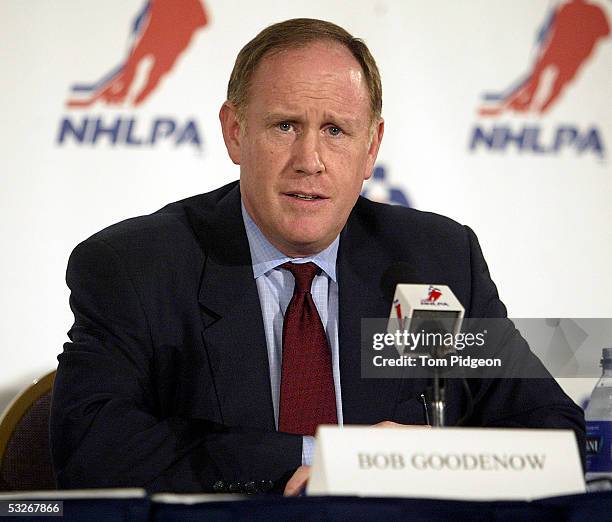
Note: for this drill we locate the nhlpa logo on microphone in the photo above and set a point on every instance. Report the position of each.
(160, 34)
(566, 44)
(433, 296)
(401, 320)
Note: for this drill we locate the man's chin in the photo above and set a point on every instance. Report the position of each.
(304, 245)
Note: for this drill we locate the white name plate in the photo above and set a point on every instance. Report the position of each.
(451, 463)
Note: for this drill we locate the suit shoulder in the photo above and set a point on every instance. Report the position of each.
(153, 232)
(170, 226)
(397, 221)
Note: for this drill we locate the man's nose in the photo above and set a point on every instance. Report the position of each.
(307, 154)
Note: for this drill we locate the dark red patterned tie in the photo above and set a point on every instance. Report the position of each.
(307, 395)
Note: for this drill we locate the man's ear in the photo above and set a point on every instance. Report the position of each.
(230, 126)
(377, 136)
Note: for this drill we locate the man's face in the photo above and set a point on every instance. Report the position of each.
(305, 147)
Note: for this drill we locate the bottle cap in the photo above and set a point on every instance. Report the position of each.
(606, 357)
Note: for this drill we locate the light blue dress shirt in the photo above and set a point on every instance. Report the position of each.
(275, 288)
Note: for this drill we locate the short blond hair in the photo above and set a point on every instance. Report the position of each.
(297, 33)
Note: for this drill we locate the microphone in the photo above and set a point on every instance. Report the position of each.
(430, 310)
(421, 307)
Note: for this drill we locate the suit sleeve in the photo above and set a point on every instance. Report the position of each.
(105, 427)
(515, 403)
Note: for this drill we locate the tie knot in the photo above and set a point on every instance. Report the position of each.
(303, 273)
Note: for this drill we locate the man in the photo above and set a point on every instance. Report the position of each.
(192, 367)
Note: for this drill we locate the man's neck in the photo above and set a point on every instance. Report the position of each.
(265, 255)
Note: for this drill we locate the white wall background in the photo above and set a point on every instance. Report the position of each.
(544, 222)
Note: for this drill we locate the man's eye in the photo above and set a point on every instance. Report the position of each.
(285, 126)
(334, 131)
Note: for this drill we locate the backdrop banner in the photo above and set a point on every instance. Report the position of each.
(497, 114)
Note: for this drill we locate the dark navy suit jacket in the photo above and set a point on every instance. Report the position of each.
(165, 383)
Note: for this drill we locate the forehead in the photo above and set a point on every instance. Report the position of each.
(322, 72)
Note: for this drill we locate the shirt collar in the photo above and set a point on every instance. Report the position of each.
(265, 256)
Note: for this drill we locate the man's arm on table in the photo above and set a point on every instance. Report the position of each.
(512, 403)
(106, 429)
(515, 403)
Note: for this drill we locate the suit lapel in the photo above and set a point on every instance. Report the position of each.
(362, 260)
(233, 331)
(233, 326)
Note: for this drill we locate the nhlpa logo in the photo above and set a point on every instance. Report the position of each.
(565, 43)
(433, 294)
(380, 190)
(401, 320)
(160, 34)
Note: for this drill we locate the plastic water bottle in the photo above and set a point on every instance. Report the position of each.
(598, 417)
